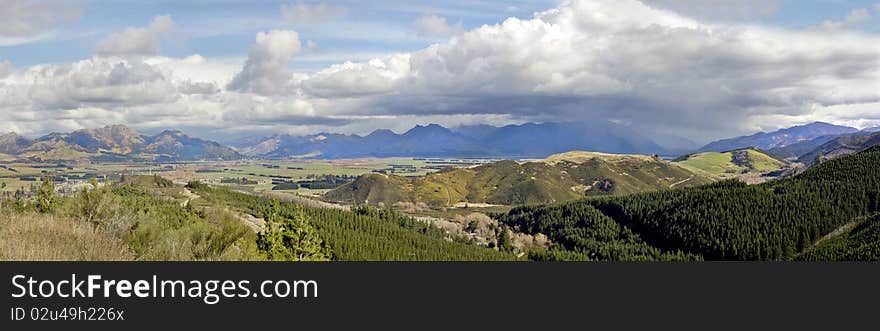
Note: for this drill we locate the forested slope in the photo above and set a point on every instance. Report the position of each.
(147, 218)
(365, 233)
(862, 243)
(730, 220)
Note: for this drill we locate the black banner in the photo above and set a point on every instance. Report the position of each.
(431, 295)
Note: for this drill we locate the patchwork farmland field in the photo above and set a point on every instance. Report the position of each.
(305, 177)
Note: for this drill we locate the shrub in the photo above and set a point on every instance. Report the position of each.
(290, 239)
(46, 200)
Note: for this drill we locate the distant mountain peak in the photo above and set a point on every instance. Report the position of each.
(531, 140)
(176, 133)
(11, 143)
(815, 124)
(429, 127)
(381, 132)
(8, 135)
(779, 138)
(117, 141)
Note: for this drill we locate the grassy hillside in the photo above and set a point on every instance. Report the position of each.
(731, 164)
(55, 151)
(559, 178)
(37, 237)
(147, 218)
(728, 220)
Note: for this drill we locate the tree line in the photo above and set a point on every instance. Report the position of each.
(728, 220)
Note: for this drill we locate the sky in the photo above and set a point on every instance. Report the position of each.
(229, 69)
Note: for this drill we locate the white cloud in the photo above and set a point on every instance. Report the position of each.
(104, 82)
(195, 68)
(359, 79)
(855, 18)
(266, 70)
(138, 41)
(29, 18)
(433, 26)
(720, 9)
(99, 90)
(15, 41)
(142, 92)
(585, 60)
(5, 68)
(300, 12)
(189, 87)
(623, 60)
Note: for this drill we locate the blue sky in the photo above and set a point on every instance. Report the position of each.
(225, 28)
(692, 69)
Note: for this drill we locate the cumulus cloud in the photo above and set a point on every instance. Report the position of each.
(266, 70)
(626, 61)
(28, 18)
(300, 12)
(145, 93)
(138, 41)
(349, 80)
(196, 68)
(100, 82)
(433, 26)
(586, 60)
(97, 90)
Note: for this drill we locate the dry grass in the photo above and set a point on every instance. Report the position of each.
(35, 237)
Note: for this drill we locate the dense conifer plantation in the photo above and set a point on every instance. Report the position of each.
(728, 220)
(862, 243)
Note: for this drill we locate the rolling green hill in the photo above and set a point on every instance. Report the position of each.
(728, 220)
(559, 178)
(731, 164)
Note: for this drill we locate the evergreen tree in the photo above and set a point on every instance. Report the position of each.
(505, 243)
(46, 199)
(290, 239)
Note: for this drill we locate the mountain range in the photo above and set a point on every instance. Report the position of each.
(521, 141)
(531, 140)
(839, 146)
(803, 143)
(779, 139)
(116, 142)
